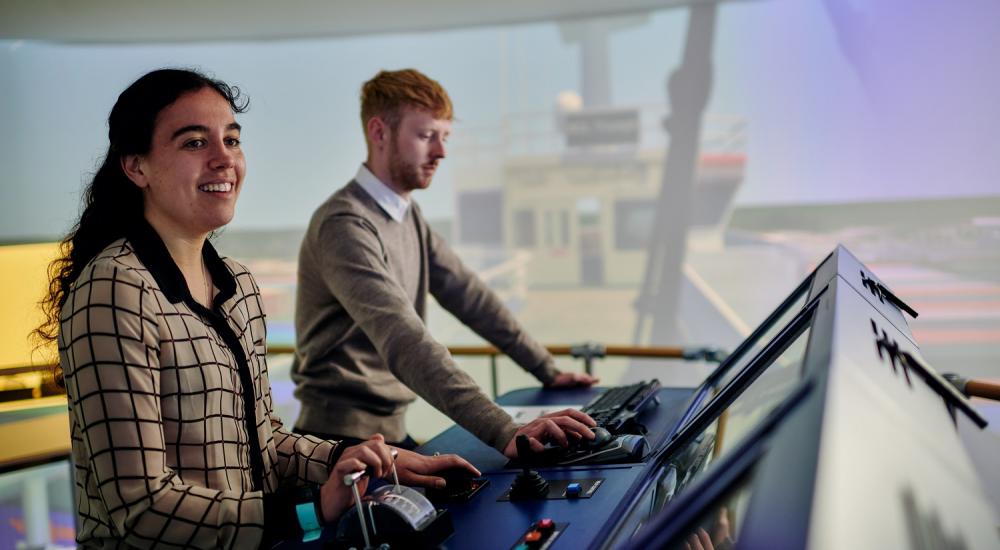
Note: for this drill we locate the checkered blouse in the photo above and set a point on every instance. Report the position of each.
(174, 439)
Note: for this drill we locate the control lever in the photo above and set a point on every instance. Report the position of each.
(351, 480)
(529, 483)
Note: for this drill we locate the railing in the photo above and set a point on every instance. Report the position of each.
(586, 352)
(539, 133)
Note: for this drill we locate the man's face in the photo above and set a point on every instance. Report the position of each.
(415, 149)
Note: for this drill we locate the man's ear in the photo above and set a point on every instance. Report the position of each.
(132, 166)
(378, 132)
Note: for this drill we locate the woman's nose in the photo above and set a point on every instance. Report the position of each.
(222, 156)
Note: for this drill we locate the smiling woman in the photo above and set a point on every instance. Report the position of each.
(190, 178)
(115, 204)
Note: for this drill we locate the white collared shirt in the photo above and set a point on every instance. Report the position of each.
(393, 204)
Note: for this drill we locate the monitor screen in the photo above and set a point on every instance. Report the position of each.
(767, 384)
(752, 346)
(774, 384)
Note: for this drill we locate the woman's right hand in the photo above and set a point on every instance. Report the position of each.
(337, 497)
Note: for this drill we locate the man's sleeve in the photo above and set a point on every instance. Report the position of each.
(109, 343)
(355, 271)
(466, 296)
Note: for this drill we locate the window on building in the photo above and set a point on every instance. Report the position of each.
(480, 215)
(525, 234)
(633, 223)
(556, 224)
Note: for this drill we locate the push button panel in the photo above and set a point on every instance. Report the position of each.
(489, 522)
(561, 489)
(540, 535)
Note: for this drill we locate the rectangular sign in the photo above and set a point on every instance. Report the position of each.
(604, 127)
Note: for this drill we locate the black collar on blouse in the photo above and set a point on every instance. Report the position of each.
(154, 255)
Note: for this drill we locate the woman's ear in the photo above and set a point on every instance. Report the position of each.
(132, 166)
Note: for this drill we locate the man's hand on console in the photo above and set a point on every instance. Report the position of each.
(573, 380)
(413, 468)
(558, 427)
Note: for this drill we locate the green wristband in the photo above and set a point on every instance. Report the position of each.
(308, 515)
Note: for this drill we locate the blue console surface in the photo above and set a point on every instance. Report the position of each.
(486, 523)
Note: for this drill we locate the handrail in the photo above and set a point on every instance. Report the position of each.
(661, 352)
(666, 352)
(587, 352)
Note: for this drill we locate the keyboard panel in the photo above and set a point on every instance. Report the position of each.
(613, 409)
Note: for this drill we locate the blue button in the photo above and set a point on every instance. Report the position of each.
(573, 490)
(522, 546)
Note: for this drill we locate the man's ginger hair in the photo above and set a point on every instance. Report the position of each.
(389, 92)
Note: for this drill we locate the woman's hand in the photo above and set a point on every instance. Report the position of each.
(413, 468)
(336, 497)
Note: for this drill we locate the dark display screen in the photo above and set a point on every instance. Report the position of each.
(752, 346)
(767, 384)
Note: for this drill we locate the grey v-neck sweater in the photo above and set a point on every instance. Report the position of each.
(363, 349)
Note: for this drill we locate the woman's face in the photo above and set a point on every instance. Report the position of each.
(193, 172)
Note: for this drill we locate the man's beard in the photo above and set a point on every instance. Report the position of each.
(407, 176)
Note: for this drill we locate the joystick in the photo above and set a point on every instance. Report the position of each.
(529, 483)
(601, 438)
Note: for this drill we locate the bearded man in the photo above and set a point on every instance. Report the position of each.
(367, 264)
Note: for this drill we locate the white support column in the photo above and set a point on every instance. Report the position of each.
(35, 503)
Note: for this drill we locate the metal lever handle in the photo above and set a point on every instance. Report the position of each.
(395, 478)
(351, 480)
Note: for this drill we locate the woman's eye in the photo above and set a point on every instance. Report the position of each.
(233, 142)
(194, 144)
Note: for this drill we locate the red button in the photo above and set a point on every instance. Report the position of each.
(533, 536)
(546, 524)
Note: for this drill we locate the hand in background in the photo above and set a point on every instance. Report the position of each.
(573, 380)
(720, 539)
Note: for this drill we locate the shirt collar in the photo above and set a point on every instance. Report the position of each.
(154, 255)
(393, 204)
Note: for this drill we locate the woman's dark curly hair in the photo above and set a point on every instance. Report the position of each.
(112, 204)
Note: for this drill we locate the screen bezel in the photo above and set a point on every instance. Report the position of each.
(660, 461)
(755, 367)
(703, 394)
